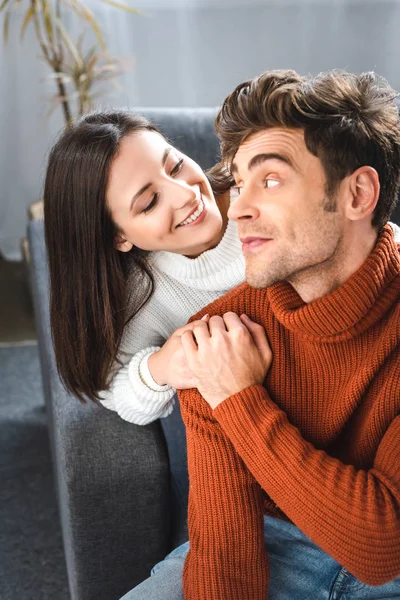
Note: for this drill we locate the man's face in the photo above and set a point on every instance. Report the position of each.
(289, 228)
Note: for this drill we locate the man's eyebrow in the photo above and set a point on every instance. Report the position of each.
(256, 160)
(147, 185)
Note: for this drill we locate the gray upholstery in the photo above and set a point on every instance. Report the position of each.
(191, 130)
(112, 477)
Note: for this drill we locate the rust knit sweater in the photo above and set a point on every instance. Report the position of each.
(318, 444)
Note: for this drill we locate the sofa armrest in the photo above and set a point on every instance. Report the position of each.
(112, 477)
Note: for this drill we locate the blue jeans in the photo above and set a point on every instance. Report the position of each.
(175, 437)
(299, 570)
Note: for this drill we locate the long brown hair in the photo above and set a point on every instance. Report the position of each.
(88, 276)
(348, 121)
(89, 300)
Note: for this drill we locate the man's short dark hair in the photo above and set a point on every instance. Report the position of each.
(348, 121)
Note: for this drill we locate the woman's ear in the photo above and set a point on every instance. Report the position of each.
(122, 244)
(364, 188)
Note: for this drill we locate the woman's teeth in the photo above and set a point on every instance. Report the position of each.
(195, 215)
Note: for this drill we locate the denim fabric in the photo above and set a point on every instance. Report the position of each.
(175, 437)
(299, 571)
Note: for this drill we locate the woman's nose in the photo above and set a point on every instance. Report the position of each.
(184, 193)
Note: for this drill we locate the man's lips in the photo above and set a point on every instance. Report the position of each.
(252, 243)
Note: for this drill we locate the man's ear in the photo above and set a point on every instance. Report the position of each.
(122, 244)
(364, 193)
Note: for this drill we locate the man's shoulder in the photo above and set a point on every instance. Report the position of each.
(235, 300)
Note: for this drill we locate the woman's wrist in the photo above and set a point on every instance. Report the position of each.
(155, 365)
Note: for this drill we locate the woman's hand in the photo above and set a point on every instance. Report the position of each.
(168, 366)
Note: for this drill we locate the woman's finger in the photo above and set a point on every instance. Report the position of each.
(189, 345)
(232, 321)
(201, 332)
(216, 324)
(258, 334)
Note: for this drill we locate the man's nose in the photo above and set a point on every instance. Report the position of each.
(242, 208)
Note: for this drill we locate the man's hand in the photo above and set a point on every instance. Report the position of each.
(168, 366)
(226, 355)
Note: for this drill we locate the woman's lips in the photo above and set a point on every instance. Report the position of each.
(192, 211)
(200, 218)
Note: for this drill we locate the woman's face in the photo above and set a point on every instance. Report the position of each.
(160, 199)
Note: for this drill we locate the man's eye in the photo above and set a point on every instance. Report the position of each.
(151, 204)
(236, 190)
(271, 183)
(177, 168)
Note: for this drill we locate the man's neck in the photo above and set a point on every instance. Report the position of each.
(352, 251)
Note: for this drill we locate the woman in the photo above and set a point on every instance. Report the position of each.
(137, 243)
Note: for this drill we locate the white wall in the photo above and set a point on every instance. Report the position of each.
(186, 53)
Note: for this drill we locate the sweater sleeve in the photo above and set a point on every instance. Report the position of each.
(132, 392)
(227, 558)
(352, 514)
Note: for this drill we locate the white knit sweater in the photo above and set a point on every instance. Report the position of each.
(182, 287)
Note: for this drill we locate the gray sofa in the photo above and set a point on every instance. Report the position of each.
(112, 477)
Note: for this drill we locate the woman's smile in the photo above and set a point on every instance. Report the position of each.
(196, 216)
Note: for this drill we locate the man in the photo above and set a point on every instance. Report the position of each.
(294, 429)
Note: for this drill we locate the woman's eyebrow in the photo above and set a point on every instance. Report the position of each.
(147, 185)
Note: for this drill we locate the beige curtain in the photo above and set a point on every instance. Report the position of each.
(185, 53)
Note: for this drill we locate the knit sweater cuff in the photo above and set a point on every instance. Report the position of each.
(142, 358)
(254, 401)
(131, 397)
(155, 400)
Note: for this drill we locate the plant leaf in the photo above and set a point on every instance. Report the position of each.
(130, 9)
(48, 23)
(28, 16)
(69, 43)
(4, 4)
(91, 61)
(80, 9)
(64, 77)
(6, 26)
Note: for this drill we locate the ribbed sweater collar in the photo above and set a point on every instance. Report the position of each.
(212, 269)
(350, 309)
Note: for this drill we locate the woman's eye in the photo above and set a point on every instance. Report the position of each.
(151, 204)
(177, 168)
(271, 183)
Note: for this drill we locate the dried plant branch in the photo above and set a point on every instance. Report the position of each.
(76, 72)
(123, 6)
